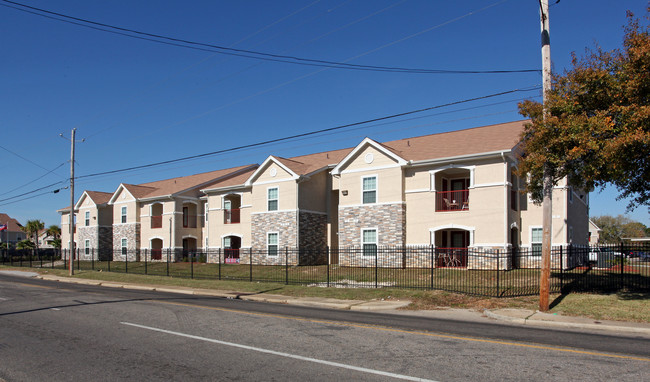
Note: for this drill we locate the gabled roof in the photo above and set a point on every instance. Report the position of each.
(454, 144)
(388, 151)
(12, 224)
(477, 140)
(98, 197)
(303, 165)
(175, 186)
(236, 180)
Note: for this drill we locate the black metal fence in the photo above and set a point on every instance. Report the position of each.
(483, 272)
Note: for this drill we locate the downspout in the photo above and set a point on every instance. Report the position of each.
(505, 200)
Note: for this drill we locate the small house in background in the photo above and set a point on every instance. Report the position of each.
(13, 232)
(594, 233)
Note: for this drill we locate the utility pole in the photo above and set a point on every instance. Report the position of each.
(547, 206)
(72, 249)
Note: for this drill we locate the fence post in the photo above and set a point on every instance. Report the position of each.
(92, 259)
(498, 274)
(145, 260)
(250, 264)
(286, 265)
(78, 259)
(569, 252)
(126, 262)
(219, 254)
(376, 265)
(327, 248)
(109, 260)
(622, 252)
(168, 254)
(432, 264)
(191, 256)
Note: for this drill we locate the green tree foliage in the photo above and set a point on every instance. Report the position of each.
(55, 232)
(597, 124)
(25, 244)
(32, 227)
(615, 228)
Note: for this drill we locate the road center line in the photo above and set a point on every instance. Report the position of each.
(428, 334)
(281, 354)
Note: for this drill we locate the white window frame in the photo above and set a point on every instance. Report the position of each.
(124, 214)
(364, 243)
(277, 199)
(534, 245)
(375, 190)
(268, 244)
(87, 247)
(87, 218)
(124, 245)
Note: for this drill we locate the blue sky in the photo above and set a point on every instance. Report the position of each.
(137, 102)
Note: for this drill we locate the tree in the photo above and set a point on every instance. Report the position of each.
(55, 232)
(32, 228)
(597, 124)
(615, 228)
(25, 244)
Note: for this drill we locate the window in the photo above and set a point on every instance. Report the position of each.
(186, 220)
(369, 189)
(272, 199)
(272, 243)
(87, 246)
(536, 241)
(369, 242)
(123, 214)
(206, 212)
(87, 218)
(124, 246)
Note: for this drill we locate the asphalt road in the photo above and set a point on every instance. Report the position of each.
(69, 332)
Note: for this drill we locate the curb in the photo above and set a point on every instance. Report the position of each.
(564, 324)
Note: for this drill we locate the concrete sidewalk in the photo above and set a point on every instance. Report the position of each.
(507, 316)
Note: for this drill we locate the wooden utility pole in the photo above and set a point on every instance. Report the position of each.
(547, 206)
(71, 220)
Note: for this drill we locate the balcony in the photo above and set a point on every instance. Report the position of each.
(452, 200)
(189, 221)
(231, 216)
(156, 222)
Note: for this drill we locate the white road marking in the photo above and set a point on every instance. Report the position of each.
(281, 354)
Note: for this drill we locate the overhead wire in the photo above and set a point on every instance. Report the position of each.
(249, 53)
(261, 143)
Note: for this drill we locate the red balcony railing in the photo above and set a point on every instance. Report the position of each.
(156, 222)
(452, 200)
(189, 221)
(231, 256)
(231, 216)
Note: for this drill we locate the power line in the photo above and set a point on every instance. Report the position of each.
(39, 178)
(243, 52)
(307, 134)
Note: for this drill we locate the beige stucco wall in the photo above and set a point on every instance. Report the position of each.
(146, 232)
(531, 217)
(216, 228)
(485, 217)
(314, 192)
(124, 198)
(282, 180)
(390, 182)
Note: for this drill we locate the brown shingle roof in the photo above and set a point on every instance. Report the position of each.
(12, 224)
(236, 180)
(180, 184)
(484, 139)
(99, 197)
(306, 164)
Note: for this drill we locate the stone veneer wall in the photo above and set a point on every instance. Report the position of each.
(282, 222)
(313, 238)
(92, 235)
(131, 232)
(390, 221)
